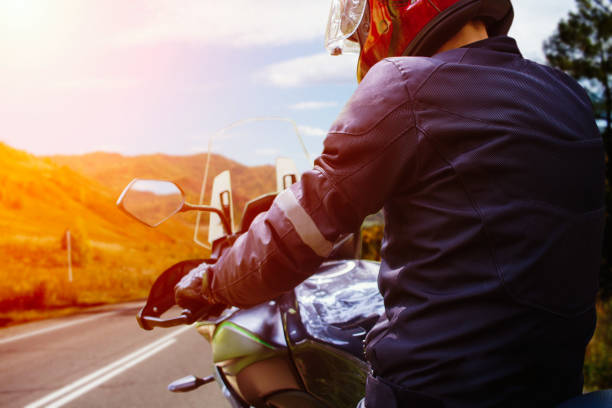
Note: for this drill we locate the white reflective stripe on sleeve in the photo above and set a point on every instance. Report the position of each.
(303, 224)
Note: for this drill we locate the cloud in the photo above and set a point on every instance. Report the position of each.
(534, 22)
(310, 70)
(237, 23)
(246, 23)
(312, 131)
(313, 105)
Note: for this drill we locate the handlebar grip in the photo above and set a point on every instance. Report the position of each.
(186, 317)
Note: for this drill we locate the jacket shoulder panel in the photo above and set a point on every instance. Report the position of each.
(415, 71)
(388, 85)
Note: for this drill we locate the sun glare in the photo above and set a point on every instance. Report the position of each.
(31, 34)
(22, 15)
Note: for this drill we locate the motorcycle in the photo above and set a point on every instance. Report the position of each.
(304, 349)
(301, 350)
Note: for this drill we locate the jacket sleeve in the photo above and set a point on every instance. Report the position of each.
(363, 161)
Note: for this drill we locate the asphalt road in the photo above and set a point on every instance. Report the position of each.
(101, 358)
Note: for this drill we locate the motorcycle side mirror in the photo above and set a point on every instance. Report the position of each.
(154, 201)
(151, 201)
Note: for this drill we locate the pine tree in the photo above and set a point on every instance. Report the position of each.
(582, 47)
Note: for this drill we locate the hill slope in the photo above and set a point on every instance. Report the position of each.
(115, 171)
(39, 198)
(113, 256)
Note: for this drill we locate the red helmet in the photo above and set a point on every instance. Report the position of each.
(390, 28)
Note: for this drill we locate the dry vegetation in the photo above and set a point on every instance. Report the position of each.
(114, 257)
(36, 275)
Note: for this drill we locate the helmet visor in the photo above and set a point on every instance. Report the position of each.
(344, 19)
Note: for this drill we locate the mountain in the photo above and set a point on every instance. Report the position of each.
(40, 198)
(113, 256)
(115, 171)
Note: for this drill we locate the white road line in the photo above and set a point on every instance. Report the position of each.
(126, 360)
(52, 328)
(82, 390)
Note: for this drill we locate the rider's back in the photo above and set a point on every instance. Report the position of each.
(492, 240)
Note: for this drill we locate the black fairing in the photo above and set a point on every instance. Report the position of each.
(331, 373)
(264, 321)
(328, 353)
(347, 336)
(306, 365)
(336, 306)
(255, 207)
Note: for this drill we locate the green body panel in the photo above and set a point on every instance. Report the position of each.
(336, 378)
(235, 348)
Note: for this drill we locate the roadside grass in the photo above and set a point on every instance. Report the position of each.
(34, 276)
(598, 359)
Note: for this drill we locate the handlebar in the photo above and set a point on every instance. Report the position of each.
(186, 317)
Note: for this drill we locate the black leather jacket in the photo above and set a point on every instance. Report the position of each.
(490, 170)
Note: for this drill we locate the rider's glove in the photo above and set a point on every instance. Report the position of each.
(192, 293)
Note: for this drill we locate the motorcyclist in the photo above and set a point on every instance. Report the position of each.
(490, 170)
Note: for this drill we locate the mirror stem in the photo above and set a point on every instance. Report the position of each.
(224, 221)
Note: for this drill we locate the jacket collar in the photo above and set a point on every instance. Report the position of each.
(499, 44)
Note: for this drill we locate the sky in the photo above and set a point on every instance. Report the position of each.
(148, 76)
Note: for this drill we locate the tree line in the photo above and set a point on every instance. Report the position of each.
(582, 47)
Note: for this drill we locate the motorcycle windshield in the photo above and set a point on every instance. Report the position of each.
(262, 155)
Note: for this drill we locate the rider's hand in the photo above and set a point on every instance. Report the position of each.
(190, 294)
